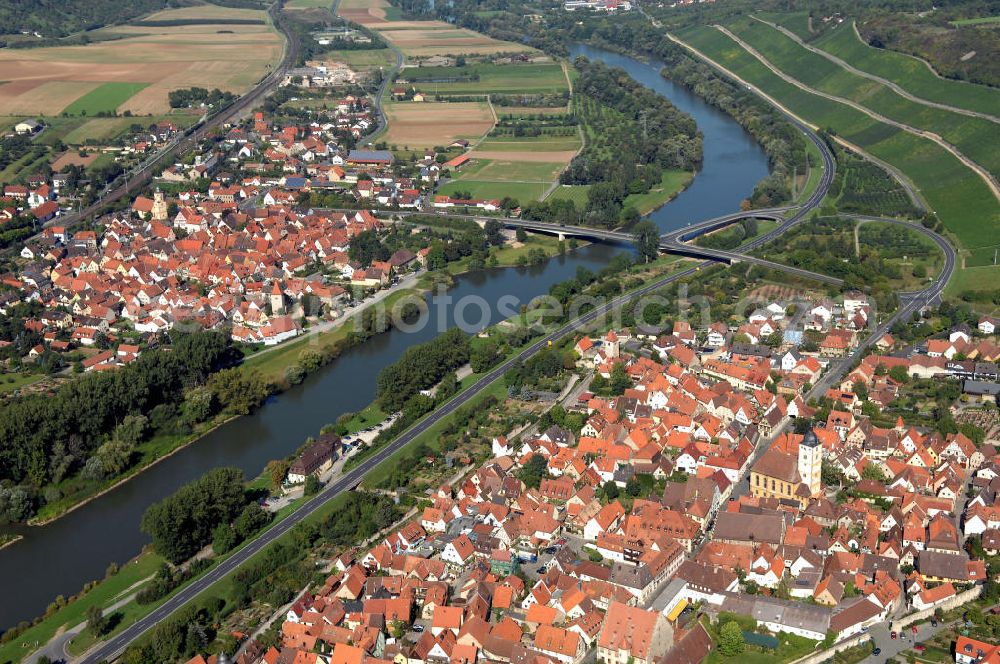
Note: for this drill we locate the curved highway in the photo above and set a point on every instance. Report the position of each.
(909, 304)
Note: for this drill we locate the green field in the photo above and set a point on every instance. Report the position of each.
(488, 78)
(976, 138)
(517, 111)
(521, 191)
(309, 4)
(671, 184)
(571, 192)
(526, 144)
(510, 171)
(977, 21)
(361, 58)
(959, 197)
(106, 98)
(911, 74)
(797, 22)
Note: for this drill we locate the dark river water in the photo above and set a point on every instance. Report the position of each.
(60, 557)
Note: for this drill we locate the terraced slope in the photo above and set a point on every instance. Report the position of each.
(974, 137)
(956, 194)
(911, 73)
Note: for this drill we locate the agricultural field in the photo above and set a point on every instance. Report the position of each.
(201, 49)
(424, 125)
(421, 38)
(497, 178)
(571, 192)
(522, 167)
(79, 130)
(520, 111)
(104, 99)
(477, 189)
(482, 79)
(426, 38)
(797, 22)
(308, 4)
(976, 138)
(910, 73)
(958, 196)
(362, 59)
(367, 12)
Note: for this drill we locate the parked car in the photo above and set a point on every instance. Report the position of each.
(919, 648)
(418, 628)
(892, 635)
(877, 651)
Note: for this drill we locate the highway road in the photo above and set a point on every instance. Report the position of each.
(910, 303)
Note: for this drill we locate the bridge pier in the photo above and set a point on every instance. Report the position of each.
(561, 236)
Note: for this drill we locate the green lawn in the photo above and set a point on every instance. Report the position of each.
(977, 21)
(488, 78)
(16, 380)
(522, 191)
(976, 138)
(911, 74)
(815, 173)
(671, 184)
(495, 143)
(956, 194)
(514, 171)
(105, 98)
(362, 58)
(985, 277)
(571, 192)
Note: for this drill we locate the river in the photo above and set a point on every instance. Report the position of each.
(60, 557)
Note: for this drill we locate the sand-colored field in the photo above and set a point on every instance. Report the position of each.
(225, 56)
(73, 158)
(365, 12)
(424, 38)
(563, 156)
(428, 125)
(415, 25)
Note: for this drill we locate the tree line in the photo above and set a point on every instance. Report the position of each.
(634, 135)
(91, 427)
(421, 367)
(184, 522)
(783, 143)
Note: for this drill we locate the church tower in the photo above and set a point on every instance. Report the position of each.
(277, 300)
(612, 344)
(811, 462)
(159, 211)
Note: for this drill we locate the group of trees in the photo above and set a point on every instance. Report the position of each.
(184, 522)
(93, 425)
(636, 135)
(547, 363)
(784, 145)
(50, 20)
(195, 96)
(421, 367)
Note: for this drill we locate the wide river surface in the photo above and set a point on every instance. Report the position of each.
(57, 559)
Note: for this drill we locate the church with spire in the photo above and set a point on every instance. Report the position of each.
(791, 471)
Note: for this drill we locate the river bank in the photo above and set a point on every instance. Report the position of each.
(105, 530)
(273, 363)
